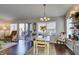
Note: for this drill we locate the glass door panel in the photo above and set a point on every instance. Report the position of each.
(21, 30)
(13, 27)
(26, 27)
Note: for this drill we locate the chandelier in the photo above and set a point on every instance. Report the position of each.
(44, 18)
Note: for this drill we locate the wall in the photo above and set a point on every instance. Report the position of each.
(60, 25)
(59, 22)
(4, 29)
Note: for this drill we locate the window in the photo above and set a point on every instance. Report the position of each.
(39, 27)
(21, 28)
(26, 27)
(50, 27)
(30, 26)
(13, 27)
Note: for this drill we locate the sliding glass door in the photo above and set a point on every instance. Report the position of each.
(23, 29)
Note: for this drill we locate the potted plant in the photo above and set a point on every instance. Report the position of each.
(33, 34)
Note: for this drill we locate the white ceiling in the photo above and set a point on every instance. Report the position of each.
(33, 10)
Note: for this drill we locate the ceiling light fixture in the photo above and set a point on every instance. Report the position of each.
(44, 18)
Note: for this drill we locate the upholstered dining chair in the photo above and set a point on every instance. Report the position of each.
(41, 44)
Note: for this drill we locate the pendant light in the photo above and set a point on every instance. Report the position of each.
(44, 18)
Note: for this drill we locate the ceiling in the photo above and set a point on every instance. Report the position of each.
(33, 10)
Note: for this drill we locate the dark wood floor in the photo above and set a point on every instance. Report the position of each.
(62, 50)
(20, 49)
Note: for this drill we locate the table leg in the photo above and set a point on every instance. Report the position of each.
(34, 48)
(48, 48)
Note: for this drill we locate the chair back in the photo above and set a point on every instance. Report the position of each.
(40, 43)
